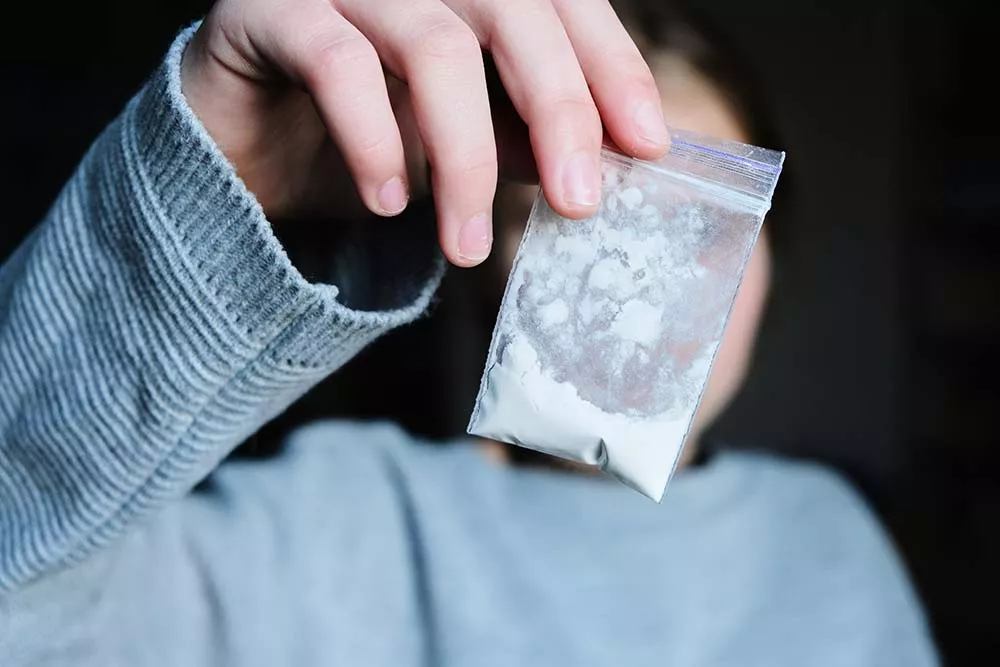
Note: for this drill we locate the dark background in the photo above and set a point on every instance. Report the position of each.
(879, 351)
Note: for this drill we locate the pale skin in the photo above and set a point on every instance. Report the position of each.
(693, 103)
(294, 93)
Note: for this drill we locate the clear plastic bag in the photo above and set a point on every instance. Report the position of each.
(609, 327)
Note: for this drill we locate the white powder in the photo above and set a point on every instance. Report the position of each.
(631, 197)
(554, 313)
(595, 357)
(608, 272)
(527, 406)
(596, 297)
(639, 322)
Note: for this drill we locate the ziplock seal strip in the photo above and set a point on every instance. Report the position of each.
(739, 172)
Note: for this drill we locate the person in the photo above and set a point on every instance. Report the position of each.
(153, 321)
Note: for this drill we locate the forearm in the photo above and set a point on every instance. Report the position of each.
(150, 324)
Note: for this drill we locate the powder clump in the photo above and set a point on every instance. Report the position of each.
(609, 326)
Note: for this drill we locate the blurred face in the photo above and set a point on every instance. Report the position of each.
(690, 102)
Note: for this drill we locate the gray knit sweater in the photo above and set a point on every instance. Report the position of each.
(153, 321)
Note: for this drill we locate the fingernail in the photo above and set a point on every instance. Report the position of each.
(392, 196)
(475, 238)
(581, 180)
(649, 122)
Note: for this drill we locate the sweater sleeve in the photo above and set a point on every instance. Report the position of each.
(151, 323)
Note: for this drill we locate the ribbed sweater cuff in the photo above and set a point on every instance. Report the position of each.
(153, 322)
(232, 248)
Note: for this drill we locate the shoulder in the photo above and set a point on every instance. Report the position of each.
(363, 457)
(800, 491)
(807, 515)
(334, 483)
(322, 468)
(820, 549)
(354, 456)
(808, 506)
(347, 441)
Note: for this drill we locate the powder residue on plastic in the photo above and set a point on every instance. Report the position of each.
(602, 357)
(638, 321)
(609, 326)
(553, 313)
(602, 301)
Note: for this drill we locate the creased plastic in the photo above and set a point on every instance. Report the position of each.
(609, 327)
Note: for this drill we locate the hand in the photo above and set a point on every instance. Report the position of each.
(295, 94)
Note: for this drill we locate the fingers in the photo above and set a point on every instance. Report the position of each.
(439, 57)
(620, 81)
(566, 64)
(543, 78)
(342, 72)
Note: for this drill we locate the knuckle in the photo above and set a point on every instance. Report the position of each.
(327, 56)
(508, 18)
(627, 58)
(623, 73)
(374, 147)
(483, 163)
(571, 114)
(632, 70)
(479, 163)
(446, 39)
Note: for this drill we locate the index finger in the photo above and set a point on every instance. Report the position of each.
(619, 79)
